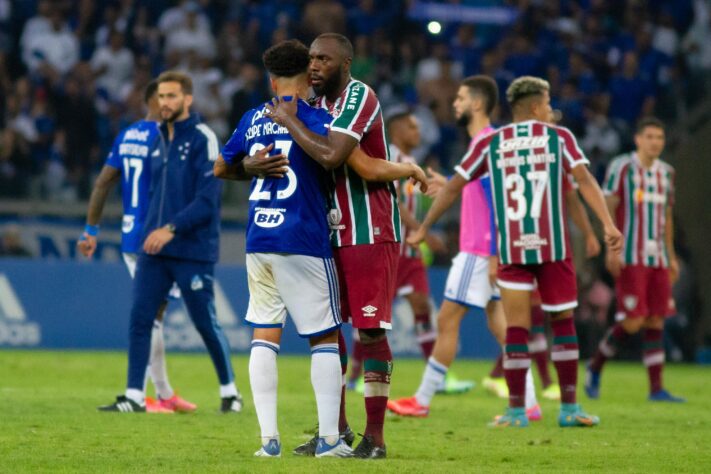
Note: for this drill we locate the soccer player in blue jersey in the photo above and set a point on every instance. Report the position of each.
(289, 257)
(181, 243)
(289, 260)
(130, 159)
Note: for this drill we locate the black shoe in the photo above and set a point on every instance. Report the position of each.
(309, 447)
(368, 450)
(124, 405)
(232, 404)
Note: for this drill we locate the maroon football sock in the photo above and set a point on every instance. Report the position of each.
(608, 347)
(565, 357)
(516, 362)
(377, 368)
(425, 334)
(653, 357)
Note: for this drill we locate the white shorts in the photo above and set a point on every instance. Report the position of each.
(131, 259)
(468, 281)
(306, 287)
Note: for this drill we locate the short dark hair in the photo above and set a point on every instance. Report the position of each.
(645, 122)
(186, 83)
(150, 91)
(524, 87)
(286, 59)
(396, 117)
(486, 87)
(343, 42)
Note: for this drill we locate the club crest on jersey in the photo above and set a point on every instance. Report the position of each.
(630, 302)
(268, 218)
(127, 223)
(369, 311)
(196, 283)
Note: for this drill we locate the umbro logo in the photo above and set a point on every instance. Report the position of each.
(369, 311)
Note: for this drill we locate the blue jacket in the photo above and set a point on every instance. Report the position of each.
(185, 192)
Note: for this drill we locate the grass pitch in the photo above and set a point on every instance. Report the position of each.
(49, 422)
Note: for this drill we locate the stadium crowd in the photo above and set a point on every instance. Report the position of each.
(72, 72)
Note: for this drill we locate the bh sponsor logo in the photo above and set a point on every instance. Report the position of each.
(268, 218)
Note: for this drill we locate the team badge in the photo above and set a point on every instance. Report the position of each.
(196, 283)
(630, 302)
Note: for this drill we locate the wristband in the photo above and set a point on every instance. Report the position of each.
(92, 230)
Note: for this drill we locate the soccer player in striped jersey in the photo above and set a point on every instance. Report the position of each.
(130, 159)
(365, 219)
(640, 194)
(527, 161)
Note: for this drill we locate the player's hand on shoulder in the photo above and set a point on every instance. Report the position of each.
(280, 110)
(261, 164)
(435, 182)
(87, 245)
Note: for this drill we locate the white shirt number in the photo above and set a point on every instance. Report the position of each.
(258, 194)
(517, 187)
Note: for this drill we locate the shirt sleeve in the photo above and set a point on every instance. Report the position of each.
(473, 164)
(114, 158)
(359, 111)
(234, 149)
(572, 153)
(611, 185)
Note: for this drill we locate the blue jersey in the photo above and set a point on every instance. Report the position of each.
(289, 214)
(133, 150)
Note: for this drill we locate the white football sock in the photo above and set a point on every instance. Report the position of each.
(136, 395)
(156, 366)
(263, 377)
(432, 379)
(531, 400)
(326, 380)
(229, 390)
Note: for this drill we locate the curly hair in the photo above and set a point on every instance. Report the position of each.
(526, 86)
(287, 59)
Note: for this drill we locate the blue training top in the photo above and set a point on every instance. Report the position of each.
(289, 214)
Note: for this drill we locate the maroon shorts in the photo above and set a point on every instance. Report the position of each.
(411, 276)
(366, 276)
(643, 292)
(556, 282)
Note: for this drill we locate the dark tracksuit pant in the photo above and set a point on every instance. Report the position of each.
(154, 277)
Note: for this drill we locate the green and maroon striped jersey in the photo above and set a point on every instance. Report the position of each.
(527, 162)
(641, 215)
(412, 198)
(368, 211)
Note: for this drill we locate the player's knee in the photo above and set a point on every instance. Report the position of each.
(632, 325)
(371, 336)
(447, 323)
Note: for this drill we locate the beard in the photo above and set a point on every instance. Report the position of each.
(329, 86)
(464, 119)
(173, 115)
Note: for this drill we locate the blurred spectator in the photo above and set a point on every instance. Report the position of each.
(191, 34)
(51, 51)
(323, 16)
(11, 243)
(113, 65)
(631, 96)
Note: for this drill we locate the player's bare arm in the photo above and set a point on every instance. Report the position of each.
(669, 238)
(331, 151)
(577, 212)
(376, 169)
(593, 196)
(107, 179)
(444, 200)
(258, 165)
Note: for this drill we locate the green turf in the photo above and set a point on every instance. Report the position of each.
(49, 422)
